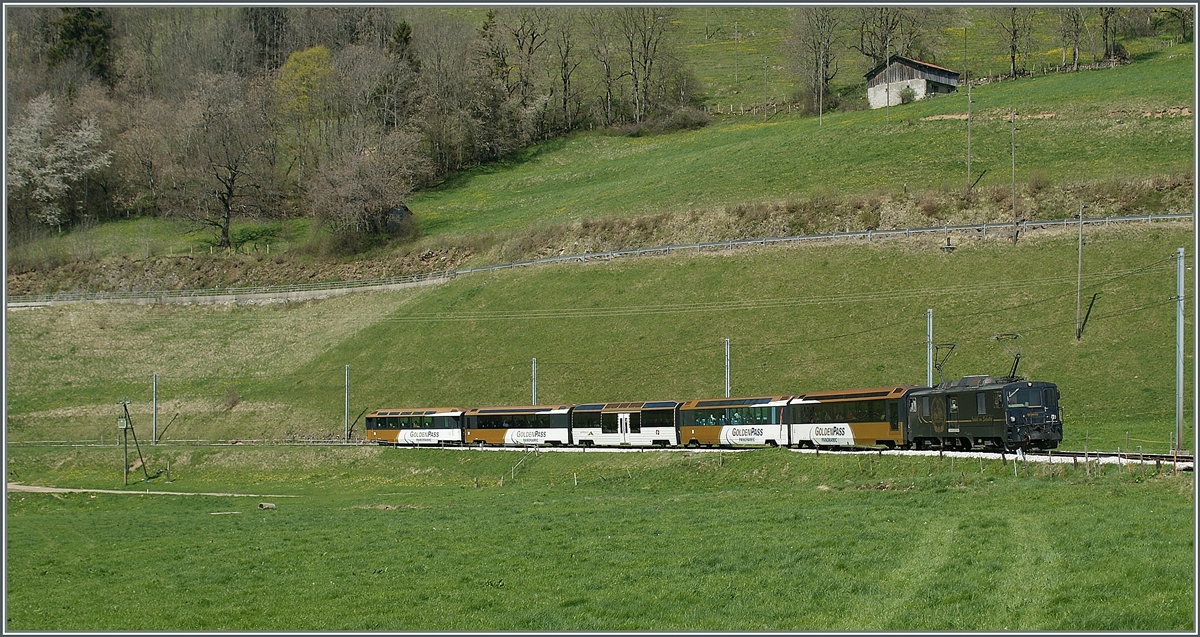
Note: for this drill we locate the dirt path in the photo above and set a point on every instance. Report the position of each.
(12, 486)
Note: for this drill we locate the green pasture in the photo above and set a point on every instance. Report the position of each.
(1071, 129)
(145, 237)
(384, 539)
(807, 318)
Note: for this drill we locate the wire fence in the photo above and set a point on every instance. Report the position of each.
(115, 441)
(283, 291)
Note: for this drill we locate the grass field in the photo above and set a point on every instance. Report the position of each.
(1075, 128)
(799, 319)
(382, 539)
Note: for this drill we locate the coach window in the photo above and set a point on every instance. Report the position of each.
(657, 418)
(981, 403)
(925, 406)
(608, 424)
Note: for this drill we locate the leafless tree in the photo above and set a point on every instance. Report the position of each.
(567, 59)
(886, 29)
(1017, 25)
(229, 142)
(605, 51)
(354, 193)
(528, 27)
(815, 39)
(444, 50)
(644, 30)
(1107, 29)
(1071, 22)
(1185, 17)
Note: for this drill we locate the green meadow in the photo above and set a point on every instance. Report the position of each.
(387, 539)
(368, 538)
(803, 318)
(1072, 129)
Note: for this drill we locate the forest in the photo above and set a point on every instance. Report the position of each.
(338, 114)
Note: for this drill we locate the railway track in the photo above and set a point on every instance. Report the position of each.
(1121, 455)
(1181, 462)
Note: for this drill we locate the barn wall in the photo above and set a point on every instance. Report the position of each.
(877, 96)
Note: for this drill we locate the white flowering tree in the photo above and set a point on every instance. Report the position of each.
(46, 159)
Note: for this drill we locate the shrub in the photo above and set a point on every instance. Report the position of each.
(907, 94)
(1038, 182)
(231, 397)
(683, 118)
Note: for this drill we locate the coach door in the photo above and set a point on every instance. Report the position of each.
(623, 427)
(952, 418)
(629, 423)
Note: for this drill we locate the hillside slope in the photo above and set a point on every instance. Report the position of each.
(1118, 141)
(1129, 123)
(798, 318)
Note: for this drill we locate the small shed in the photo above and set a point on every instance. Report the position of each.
(886, 81)
(397, 217)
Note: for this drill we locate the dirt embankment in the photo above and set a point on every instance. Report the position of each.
(208, 271)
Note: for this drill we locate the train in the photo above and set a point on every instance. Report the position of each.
(972, 412)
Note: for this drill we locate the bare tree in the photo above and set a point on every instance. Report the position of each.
(644, 29)
(444, 50)
(143, 154)
(1107, 28)
(354, 193)
(1185, 17)
(815, 37)
(606, 52)
(527, 27)
(1017, 25)
(269, 25)
(229, 142)
(884, 30)
(567, 60)
(1071, 22)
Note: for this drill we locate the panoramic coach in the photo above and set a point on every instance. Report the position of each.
(430, 426)
(635, 424)
(733, 421)
(848, 418)
(527, 425)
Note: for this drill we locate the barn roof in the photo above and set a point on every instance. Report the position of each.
(909, 62)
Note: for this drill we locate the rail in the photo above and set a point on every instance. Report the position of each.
(383, 283)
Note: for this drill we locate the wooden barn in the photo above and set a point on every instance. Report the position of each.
(886, 81)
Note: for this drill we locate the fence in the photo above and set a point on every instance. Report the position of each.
(327, 441)
(385, 283)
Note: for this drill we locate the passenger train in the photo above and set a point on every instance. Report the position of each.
(969, 413)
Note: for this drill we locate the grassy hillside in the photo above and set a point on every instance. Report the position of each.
(1074, 128)
(799, 319)
(1114, 139)
(383, 539)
